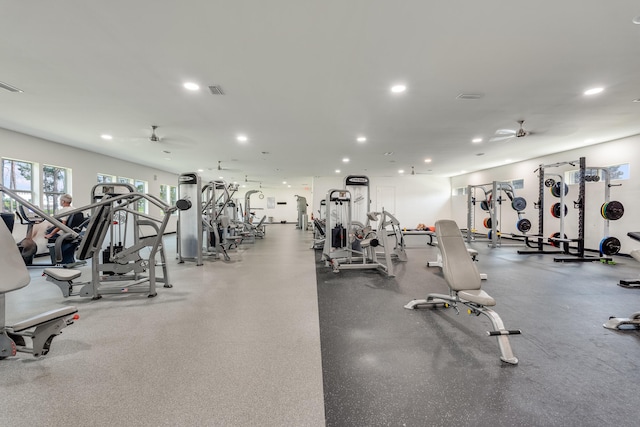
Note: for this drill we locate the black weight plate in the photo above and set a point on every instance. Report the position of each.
(612, 210)
(555, 210)
(484, 205)
(555, 190)
(609, 246)
(523, 225)
(519, 203)
(549, 182)
(554, 236)
(487, 223)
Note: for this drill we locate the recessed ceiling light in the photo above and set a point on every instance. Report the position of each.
(288, 186)
(398, 88)
(200, 170)
(345, 160)
(476, 140)
(107, 137)
(337, 170)
(428, 160)
(593, 91)
(389, 153)
(221, 177)
(284, 182)
(401, 171)
(191, 86)
(242, 138)
(636, 20)
(361, 139)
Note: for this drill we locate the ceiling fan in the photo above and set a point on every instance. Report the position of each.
(168, 142)
(154, 137)
(413, 172)
(222, 168)
(506, 134)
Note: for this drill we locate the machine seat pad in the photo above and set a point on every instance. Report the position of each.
(44, 317)
(63, 274)
(472, 252)
(477, 296)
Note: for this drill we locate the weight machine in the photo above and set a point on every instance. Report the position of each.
(358, 187)
(123, 244)
(352, 245)
(250, 230)
(40, 329)
(319, 226)
(203, 222)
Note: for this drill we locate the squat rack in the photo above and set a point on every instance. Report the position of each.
(568, 256)
(493, 205)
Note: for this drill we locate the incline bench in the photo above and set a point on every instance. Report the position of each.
(464, 283)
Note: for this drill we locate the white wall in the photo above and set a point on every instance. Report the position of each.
(417, 198)
(280, 212)
(626, 150)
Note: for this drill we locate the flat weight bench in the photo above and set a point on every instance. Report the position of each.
(40, 329)
(63, 278)
(634, 320)
(464, 283)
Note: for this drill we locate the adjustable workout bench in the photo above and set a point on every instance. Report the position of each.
(464, 282)
(39, 329)
(472, 253)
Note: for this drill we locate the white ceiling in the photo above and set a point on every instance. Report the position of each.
(303, 79)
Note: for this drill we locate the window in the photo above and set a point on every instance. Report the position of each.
(103, 178)
(619, 172)
(517, 184)
(616, 172)
(17, 176)
(169, 195)
(55, 183)
(141, 187)
(460, 191)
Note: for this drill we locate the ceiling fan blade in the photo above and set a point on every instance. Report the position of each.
(502, 138)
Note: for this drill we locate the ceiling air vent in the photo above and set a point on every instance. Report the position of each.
(469, 96)
(9, 87)
(216, 90)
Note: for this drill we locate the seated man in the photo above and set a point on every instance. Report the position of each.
(65, 202)
(72, 221)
